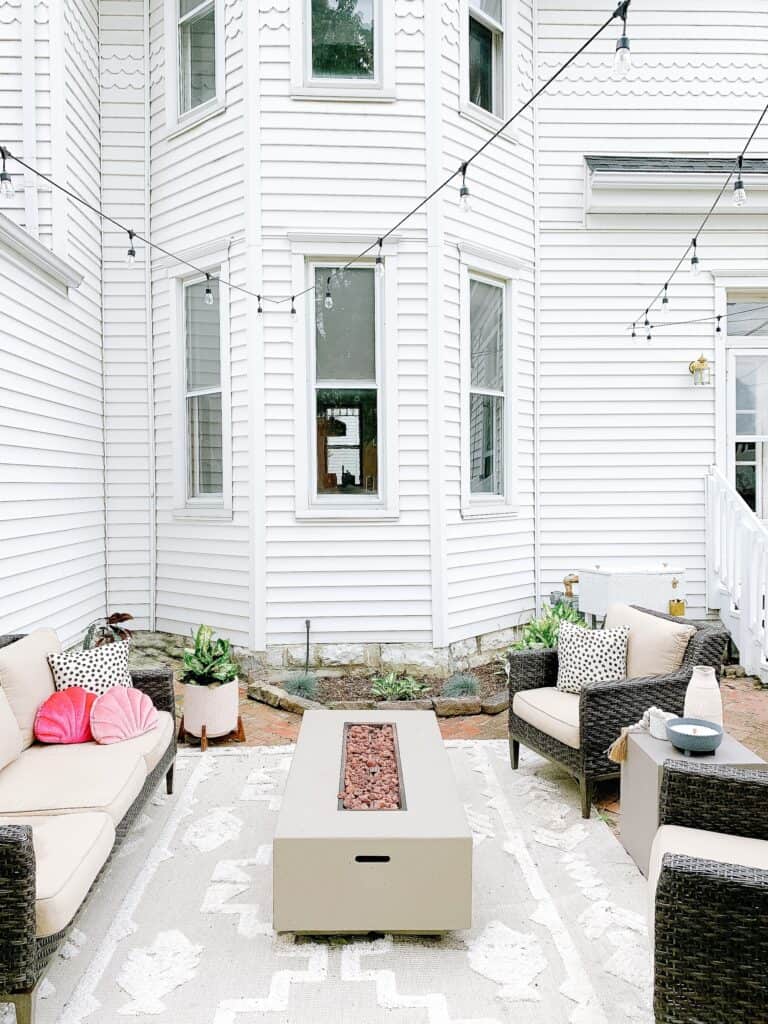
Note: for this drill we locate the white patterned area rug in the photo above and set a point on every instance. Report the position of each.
(179, 929)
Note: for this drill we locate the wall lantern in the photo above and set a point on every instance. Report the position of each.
(701, 371)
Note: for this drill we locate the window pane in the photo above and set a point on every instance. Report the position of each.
(185, 6)
(204, 445)
(745, 319)
(752, 395)
(745, 485)
(486, 444)
(347, 441)
(486, 326)
(490, 7)
(203, 345)
(745, 451)
(342, 39)
(480, 65)
(345, 336)
(197, 60)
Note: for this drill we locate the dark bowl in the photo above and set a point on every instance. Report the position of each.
(690, 743)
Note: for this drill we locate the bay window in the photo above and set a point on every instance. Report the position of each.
(486, 54)
(203, 392)
(344, 39)
(196, 23)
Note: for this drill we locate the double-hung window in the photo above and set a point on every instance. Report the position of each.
(344, 39)
(345, 385)
(196, 48)
(487, 389)
(486, 55)
(203, 392)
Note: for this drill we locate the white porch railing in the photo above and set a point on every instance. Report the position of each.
(737, 571)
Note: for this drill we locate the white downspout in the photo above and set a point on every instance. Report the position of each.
(537, 584)
(28, 116)
(148, 323)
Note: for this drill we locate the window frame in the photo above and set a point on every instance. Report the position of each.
(178, 121)
(505, 44)
(478, 504)
(305, 86)
(310, 253)
(186, 505)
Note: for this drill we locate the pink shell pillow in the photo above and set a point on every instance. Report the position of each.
(122, 713)
(65, 717)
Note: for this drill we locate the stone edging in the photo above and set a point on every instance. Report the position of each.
(444, 707)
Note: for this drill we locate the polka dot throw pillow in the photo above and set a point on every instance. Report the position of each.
(96, 670)
(590, 656)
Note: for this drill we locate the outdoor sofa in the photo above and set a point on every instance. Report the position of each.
(708, 886)
(576, 730)
(63, 810)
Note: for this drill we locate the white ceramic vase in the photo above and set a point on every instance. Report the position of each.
(215, 707)
(702, 698)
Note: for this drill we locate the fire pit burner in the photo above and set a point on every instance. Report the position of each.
(371, 778)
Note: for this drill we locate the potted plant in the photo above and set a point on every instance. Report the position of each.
(211, 696)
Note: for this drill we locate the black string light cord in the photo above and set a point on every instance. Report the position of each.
(5, 153)
(715, 318)
(643, 317)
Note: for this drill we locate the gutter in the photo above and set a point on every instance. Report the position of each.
(148, 323)
(537, 583)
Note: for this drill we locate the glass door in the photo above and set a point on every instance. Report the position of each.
(748, 426)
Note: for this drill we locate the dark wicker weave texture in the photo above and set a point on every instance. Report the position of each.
(711, 918)
(605, 708)
(23, 957)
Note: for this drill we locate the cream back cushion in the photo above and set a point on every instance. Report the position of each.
(656, 646)
(10, 734)
(25, 677)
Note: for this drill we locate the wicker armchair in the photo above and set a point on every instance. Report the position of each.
(711, 917)
(604, 708)
(23, 956)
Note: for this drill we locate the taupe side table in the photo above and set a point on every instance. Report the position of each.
(641, 784)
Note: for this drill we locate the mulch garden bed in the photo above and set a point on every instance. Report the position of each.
(331, 689)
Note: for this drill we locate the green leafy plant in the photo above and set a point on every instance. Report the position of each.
(544, 631)
(211, 662)
(303, 684)
(107, 630)
(394, 687)
(461, 684)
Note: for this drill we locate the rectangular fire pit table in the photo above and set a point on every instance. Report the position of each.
(405, 870)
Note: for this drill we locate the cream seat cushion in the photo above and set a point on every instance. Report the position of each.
(656, 646)
(10, 735)
(26, 677)
(695, 842)
(75, 777)
(153, 744)
(70, 850)
(553, 711)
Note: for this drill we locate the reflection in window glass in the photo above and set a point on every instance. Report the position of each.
(752, 395)
(745, 318)
(346, 334)
(202, 374)
(480, 65)
(197, 55)
(347, 441)
(486, 388)
(343, 39)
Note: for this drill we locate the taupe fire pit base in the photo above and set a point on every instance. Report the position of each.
(340, 871)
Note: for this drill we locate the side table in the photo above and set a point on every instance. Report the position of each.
(641, 774)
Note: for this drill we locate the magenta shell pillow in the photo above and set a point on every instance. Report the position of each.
(65, 717)
(122, 713)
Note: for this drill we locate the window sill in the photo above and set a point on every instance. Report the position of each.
(203, 512)
(353, 94)
(195, 118)
(492, 122)
(500, 510)
(342, 514)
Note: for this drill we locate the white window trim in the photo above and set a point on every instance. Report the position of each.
(307, 252)
(184, 506)
(503, 273)
(176, 122)
(510, 85)
(304, 87)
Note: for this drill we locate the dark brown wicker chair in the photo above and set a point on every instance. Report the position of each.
(23, 957)
(711, 918)
(604, 708)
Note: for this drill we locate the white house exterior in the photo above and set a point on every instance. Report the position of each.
(192, 462)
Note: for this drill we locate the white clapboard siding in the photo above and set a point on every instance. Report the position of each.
(51, 429)
(625, 438)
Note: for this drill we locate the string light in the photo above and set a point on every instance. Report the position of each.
(380, 260)
(718, 329)
(634, 332)
(131, 248)
(6, 183)
(739, 192)
(622, 58)
(208, 297)
(328, 297)
(293, 306)
(646, 322)
(465, 200)
(665, 301)
(695, 261)
(259, 308)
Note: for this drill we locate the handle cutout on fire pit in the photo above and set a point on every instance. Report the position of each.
(372, 858)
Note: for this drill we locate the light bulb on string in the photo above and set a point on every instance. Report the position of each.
(328, 297)
(719, 329)
(646, 322)
(6, 182)
(380, 260)
(695, 261)
(293, 306)
(634, 331)
(208, 297)
(739, 192)
(131, 255)
(259, 307)
(665, 301)
(465, 200)
(622, 58)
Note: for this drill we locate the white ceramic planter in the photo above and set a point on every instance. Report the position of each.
(215, 707)
(702, 698)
